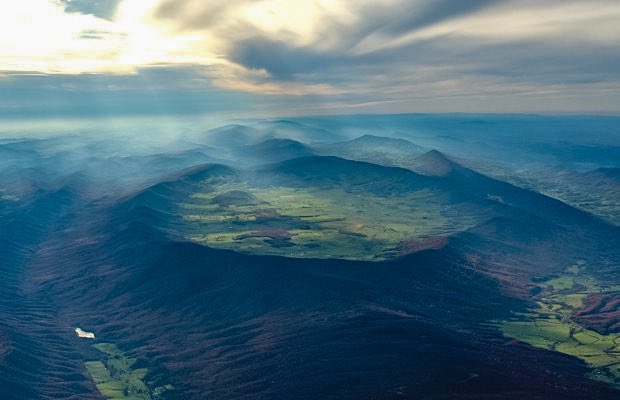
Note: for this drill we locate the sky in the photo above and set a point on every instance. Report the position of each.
(296, 57)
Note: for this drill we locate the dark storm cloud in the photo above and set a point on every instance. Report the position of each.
(431, 12)
(521, 58)
(281, 60)
(520, 61)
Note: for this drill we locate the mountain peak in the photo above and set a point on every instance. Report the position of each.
(233, 135)
(386, 141)
(273, 150)
(279, 142)
(434, 163)
(369, 137)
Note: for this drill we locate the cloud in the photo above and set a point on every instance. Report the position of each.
(357, 46)
(51, 36)
(39, 36)
(361, 52)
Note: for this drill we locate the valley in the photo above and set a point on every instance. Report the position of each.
(117, 376)
(551, 325)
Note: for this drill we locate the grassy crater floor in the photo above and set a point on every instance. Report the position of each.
(549, 326)
(321, 222)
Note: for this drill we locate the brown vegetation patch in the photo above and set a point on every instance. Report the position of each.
(600, 312)
(428, 243)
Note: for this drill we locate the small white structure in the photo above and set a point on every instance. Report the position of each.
(83, 334)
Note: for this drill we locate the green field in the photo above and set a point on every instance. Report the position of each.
(320, 222)
(116, 377)
(550, 327)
